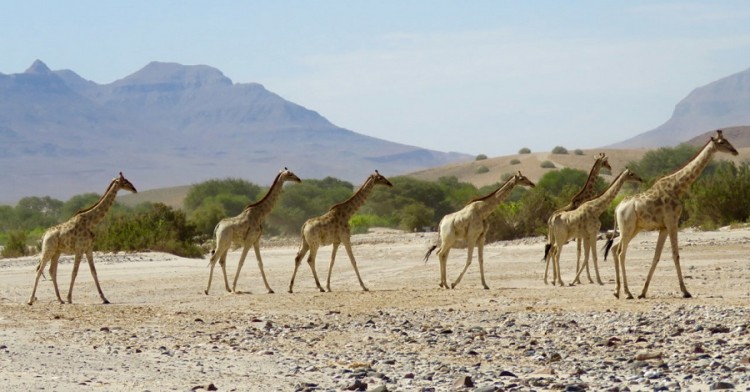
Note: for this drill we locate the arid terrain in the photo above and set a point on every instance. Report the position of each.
(162, 333)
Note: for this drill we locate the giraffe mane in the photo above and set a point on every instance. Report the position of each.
(370, 178)
(589, 179)
(687, 162)
(487, 196)
(275, 180)
(91, 207)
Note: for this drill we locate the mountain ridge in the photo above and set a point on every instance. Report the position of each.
(169, 124)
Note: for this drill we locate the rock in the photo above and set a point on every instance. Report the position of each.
(721, 385)
(506, 373)
(646, 355)
(380, 388)
(463, 381)
(357, 385)
(488, 388)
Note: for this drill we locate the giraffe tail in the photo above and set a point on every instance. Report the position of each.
(429, 252)
(547, 247)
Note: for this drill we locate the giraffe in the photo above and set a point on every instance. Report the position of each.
(245, 229)
(659, 208)
(583, 223)
(470, 224)
(333, 228)
(76, 236)
(587, 192)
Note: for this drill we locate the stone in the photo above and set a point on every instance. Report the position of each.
(721, 385)
(463, 381)
(646, 355)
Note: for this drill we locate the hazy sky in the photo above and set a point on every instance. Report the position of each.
(471, 76)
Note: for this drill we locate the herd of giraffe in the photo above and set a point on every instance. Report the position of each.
(658, 208)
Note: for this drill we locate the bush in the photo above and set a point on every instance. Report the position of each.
(361, 223)
(481, 169)
(16, 244)
(559, 150)
(515, 161)
(713, 200)
(480, 157)
(547, 165)
(160, 228)
(524, 150)
(578, 152)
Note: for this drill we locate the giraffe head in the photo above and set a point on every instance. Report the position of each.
(520, 179)
(632, 177)
(603, 162)
(722, 144)
(287, 175)
(123, 183)
(378, 178)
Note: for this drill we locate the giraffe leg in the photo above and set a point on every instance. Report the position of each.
(297, 261)
(330, 265)
(621, 259)
(256, 247)
(311, 263)
(245, 249)
(443, 257)
(469, 254)
(39, 272)
(348, 247)
(90, 259)
(580, 267)
(596, 263)
(657, 255)
(556, 277)
(480, 256)
(76, 263)
(223, 265)
(676, 258)
(615, 257)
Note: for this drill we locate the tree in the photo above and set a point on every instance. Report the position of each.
(524, 150)
(559, 150)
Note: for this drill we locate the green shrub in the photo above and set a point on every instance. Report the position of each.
(481, 169)
(161, 228)
(515, 161)
(416, 216)
(16, 244)
(578, 152)
(361, 223)
(547, 165)
(524, 150)
(480, 157)
(559, 150)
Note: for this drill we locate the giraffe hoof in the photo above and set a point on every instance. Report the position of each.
(486, 287)
(642, 296)
(686, 295)
(617, 295)
(365, 289)
(321, 290)
(105, 302)
(205, 292)
(630, 296)
(270, 291)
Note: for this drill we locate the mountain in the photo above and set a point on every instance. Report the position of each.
(170, 124)
(717, 105)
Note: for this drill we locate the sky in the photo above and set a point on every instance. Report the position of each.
(479, 77)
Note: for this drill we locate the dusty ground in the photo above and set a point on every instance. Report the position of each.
(162, 333)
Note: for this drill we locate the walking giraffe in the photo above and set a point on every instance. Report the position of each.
(587, 192)
(659, 208)
(245, 229)
(583, 223)
(333, 228)
(470, 224)
(76, 236)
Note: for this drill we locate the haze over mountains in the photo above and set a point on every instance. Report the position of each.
(720, 104)
(170, 124)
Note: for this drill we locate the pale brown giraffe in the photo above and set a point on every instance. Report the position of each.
(245, 229)
(659, 208)
(583, 223)
(76, 236)
(333, 228)
(587, 192)
(471, 224)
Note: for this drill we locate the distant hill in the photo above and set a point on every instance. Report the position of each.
(168, 125)
(738, 136)
(717, 105)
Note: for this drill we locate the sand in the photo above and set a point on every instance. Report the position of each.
(161, 331)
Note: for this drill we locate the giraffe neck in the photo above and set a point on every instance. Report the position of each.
(494, 199)
(601, 202)
(679, 181)
(93, 215)
(265, 205)
(350, 206)
(588, 191)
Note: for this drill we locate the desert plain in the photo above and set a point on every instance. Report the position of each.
(162, 333)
